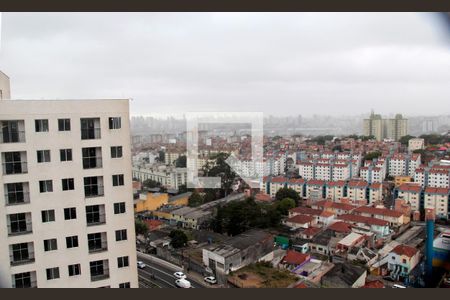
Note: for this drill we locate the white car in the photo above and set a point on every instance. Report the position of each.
(141, 265)
(179, 275)
(183, 283)
(210, 279)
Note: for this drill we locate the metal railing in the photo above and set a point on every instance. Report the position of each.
(92, 162)
(16, 198)
(31, 284)
(23, 260)
(91, 134)
(12, 136)
(93, 219)
(98, 248)
(24, 227)
(19, 167)
(91, 191)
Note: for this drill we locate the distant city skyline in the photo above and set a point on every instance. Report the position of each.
(280, 64)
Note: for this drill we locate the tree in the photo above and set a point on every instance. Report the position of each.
(182, 189)
(287, 193)
(195, 199)
(285, 205)
(372, 155)
(161, 156)
(404, 140)
(223, 170)
(180, 162)
(150, 183)
(178, 238)
(140, 227)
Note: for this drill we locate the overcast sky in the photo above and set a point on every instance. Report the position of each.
(277, 63)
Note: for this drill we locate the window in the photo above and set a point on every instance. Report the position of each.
(65, 154)
(45, 186)
(119, 208)
(48, 216)
(116, 152)
(98, 268)
(118, 180)
(115, 123)
(74, 270)
(64, 124)
(96, 242)
(68, 184)
(52, 273)
(125, 285)
(92, 157)
(122, 262)
(20, 252)
(70, 213)
(43, 156)
(41, 125)
(50, 245)
(72, 242)
(121, 235)
(23, 280)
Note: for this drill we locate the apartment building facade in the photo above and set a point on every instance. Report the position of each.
(67, 214)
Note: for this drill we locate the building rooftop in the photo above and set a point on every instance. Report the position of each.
(300, 219)
(362, 219)
(346, 274)
(350, 239)
(378, 211)
(405, 250)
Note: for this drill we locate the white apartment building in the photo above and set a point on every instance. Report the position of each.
(372, 174)
(416, 144)
(437, 176)
(403, 165)
(167, 176)
(306, 170)
(67, 215)
(437, 199)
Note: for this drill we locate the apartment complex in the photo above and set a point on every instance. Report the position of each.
(382, 129)
(67, 214)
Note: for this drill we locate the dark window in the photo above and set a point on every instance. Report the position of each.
(20, 252)
(66, 154)
(48, 216)
(122, 262)
(97, 268)
(121, 235)
(15, 193)
(74, 270)
(41, 125)
(119, 208)
(118, 180)
(95, 242)
(50, 245)
(22, 280)
(64, 124)
(45, 186)
(68, 184)
(125, 285)
(43, 156)
(18, 223)
(116, 152)
(70, 213)
(115, 123)
(52, 273)
(72, 241)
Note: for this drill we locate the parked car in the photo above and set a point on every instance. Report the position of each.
(183, 283)
(179, 275)
(141, 265)
(210, 279)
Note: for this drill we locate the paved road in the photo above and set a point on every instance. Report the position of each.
(158, 274)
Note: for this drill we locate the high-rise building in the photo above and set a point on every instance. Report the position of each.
(382, 129)
(66, 218)
(4, 86)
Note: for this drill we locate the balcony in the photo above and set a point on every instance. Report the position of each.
(98, 246)
(17, 198)
(99, 277)
(26, 259)
(27, 284)
(92, 191)
(16, 167)
(12, 136)
(92, 162)
(20, 228)
(91, 134)
(94, 219)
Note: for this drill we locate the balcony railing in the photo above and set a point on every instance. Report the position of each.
(101, 276)
(90, 134)
(92, 162)
(30, 284)
(12, 136)
(24, 227)
(93, 191)
(17, 198)
(96, 219)
(103, 246)
(10, 168)
(23, 260)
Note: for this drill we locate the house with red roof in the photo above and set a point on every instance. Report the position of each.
(377, 226)
(294, 259)
(300, 221)
(340, 228)
(374, 284)
(394, 217)
(334, 207)
(402, 259)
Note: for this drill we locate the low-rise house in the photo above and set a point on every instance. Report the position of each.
(322, 243)
(293, 260)
(309, 233)
(345, 276)
(336, 208)
(377, 226)
(238, 251)
(402, 259)
(321, 217)
(395, 218)
(350, 241)
(340, 228)
(362, 254)
(300, 221)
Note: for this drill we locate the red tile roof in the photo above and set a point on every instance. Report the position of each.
(340, 227)
(410, 187)
(375, 185)
(305, 211)
(378, 211)
(336, 205)
(279, 179)
(263, 197)
(358, 184)
(300, 219)
(405, 250)
(340, 183)
(362, 219)
(296, 181)
(315, 182)
(311, 231)
(440, 191)
(301, 285)
(376, 284)
(295, 258)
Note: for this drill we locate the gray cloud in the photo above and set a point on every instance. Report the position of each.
(278, 63)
